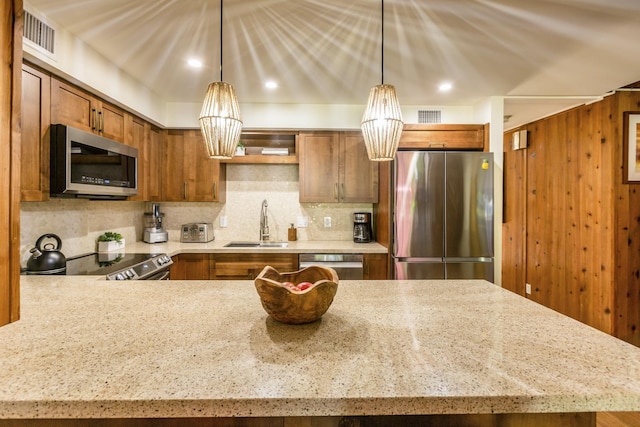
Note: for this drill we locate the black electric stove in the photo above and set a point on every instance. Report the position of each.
(120, 266)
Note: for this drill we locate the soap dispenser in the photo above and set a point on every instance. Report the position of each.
(292, 233)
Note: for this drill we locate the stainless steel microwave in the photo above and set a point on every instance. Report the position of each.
(87, 165)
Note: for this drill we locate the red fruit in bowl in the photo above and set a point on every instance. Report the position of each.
(304, 285)
(288, 285)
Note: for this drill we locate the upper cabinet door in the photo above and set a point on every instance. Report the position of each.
(74, 107)
(319, 159)
(334, 167)
(205, 177)
(137, 137)
(358, 175)
(188, 174)
(445, 137)
(112, 122)
(34, 146)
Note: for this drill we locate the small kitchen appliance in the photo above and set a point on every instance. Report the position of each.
(47, 258)
(198, 232)
(362, 227)
(153, 231)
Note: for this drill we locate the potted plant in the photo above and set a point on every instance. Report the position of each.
(240, 150)
(110, 241)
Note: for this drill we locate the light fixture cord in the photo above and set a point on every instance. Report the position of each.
(382, 44)
(221, 5)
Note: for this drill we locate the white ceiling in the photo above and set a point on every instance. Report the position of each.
(329, 51)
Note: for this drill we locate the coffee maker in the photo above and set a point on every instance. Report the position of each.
(362, 227)
(153, 232)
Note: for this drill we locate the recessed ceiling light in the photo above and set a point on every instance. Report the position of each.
(195, 63)
(445, 87)
(270, 84)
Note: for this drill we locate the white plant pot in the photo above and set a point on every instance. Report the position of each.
(110, 246)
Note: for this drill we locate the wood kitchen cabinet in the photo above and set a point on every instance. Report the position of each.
(137, 136)
(229, 266)
(34, 147)
(375, 267)
(445, 137)
(241, 266)
(334, 167)
(190, 267)
(146, 139)
(153, 186)
(77, 108)
(188, 174)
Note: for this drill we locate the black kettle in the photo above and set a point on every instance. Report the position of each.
(47, 259)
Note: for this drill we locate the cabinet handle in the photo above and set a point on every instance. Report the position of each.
(343, 194)
(185, 192)
(335, 191)
(438, 144)
(214, 191)
(100, 122)
(94, 119)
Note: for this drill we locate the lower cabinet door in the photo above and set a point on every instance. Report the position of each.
(241, 266)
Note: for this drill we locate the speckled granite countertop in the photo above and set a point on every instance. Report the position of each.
(218, 246)
(87, 347)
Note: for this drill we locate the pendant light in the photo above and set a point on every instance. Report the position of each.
(382, 120)
(220, 116)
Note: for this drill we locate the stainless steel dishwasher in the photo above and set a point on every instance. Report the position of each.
(348, 266)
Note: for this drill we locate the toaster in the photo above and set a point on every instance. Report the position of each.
(197, 232)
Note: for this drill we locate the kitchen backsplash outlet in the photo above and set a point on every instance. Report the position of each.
(79, 222)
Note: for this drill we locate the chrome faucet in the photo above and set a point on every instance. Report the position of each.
(264, 222)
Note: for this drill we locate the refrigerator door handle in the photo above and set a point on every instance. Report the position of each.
(410, 259)
(463, 259)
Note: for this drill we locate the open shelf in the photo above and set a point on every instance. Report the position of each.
(256, 141)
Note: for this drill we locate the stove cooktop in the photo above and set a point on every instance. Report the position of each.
(101, 264)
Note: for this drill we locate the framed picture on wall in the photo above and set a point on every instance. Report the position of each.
(631, 141)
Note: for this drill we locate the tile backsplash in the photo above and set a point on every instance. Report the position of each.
(79, 222)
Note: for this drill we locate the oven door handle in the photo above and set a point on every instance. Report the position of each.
(164, 275)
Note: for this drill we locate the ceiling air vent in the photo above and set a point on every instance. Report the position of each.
(429, 116)
(39, 33)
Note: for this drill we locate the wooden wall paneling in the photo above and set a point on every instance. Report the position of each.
(605, 139)
(622, 229)
(585, 197)
(582, 241)
(535, 223)
(514, 218)
(600, 241)
(564, 184)
(627, 234)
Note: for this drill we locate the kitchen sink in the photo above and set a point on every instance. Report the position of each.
(256, 245)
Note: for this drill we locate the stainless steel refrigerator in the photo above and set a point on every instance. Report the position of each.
(443, 215)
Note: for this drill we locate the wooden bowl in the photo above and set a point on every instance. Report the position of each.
(295, 307)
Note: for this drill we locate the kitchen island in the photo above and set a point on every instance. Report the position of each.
(90, 348)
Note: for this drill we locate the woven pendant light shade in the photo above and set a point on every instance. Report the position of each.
(220, 120)
(382, 123)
